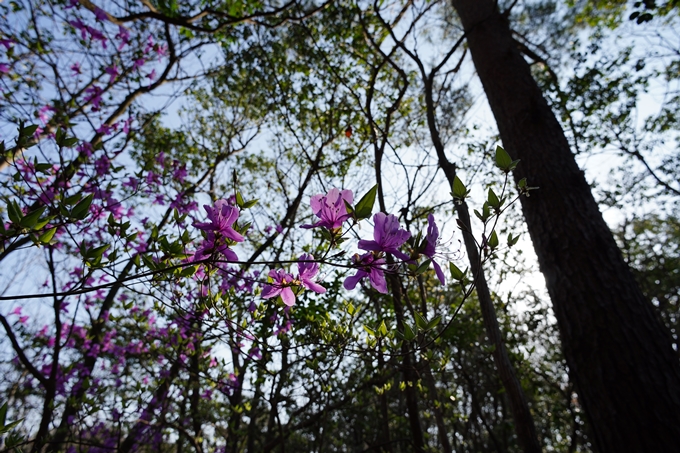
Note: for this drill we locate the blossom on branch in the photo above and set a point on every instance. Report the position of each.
(219, 231)
(369, 265)
(283, 281)
(330, 208)
(387, 236)
(430, 250)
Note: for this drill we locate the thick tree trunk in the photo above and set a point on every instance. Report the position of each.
(619, 355)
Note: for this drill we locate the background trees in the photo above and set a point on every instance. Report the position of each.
(115, 339)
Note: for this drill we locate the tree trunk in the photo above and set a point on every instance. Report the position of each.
(618, 353)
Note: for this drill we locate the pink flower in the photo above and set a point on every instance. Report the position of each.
(307, 270)
(221, 217)
(282, 281)
(124, 36)
(431, 246)
(113, 72)
(387, 236)
(280, 286)
(371, 267)
(126, 125)
(105, 129)
(100, 14)
(7, 42)
(4, 68)
(94, 95)
(75, 67)
(330, 208)
(85, 148)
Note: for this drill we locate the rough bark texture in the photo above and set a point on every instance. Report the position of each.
(619, 355)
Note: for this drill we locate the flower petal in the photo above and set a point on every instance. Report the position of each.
(351, 282)
(288, 296)
(370, 245)
(377, 277)
(270, 291)
(438, 271)
(313, 286)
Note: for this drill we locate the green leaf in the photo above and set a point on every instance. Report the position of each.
(73, 199)
(188, 271)
(3, 414)
(493, 240)
(383, 328)
(420, 321)
(69, 142)
(97, 252)
(459, 189)
(433, 322)
(522, 183)
(350, 309)
(31, 218)
(28, 131)
(364, 207)
(503, 159)
(368, 330)
(14, 212)
(43, 167)
(409, 334)
(81, 210)
(456, 273)
(349, 207)
(47, 236)
(493, 200)
(250, 204)
(239, 200)
(423, 267)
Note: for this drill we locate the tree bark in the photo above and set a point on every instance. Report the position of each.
(618, 353)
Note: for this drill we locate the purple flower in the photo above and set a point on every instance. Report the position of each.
(124, 36)
(100, 14)
(105, 129)
(86, 149)
(138, 63)
(7, 42)
(180, 173)
(431, 247)
(94, 94)
(113, 72)
(42, 113)
(126, 125)
(78, 24)
(152, 75)
(368, 266)
(307, 270)
(387, 236)
(75, 67)
(222, 217)
(330, 208)
(4, 68)
(280, 286)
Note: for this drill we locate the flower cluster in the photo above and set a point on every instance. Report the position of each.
(388, 238)
(283, 282)
(220, 231)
